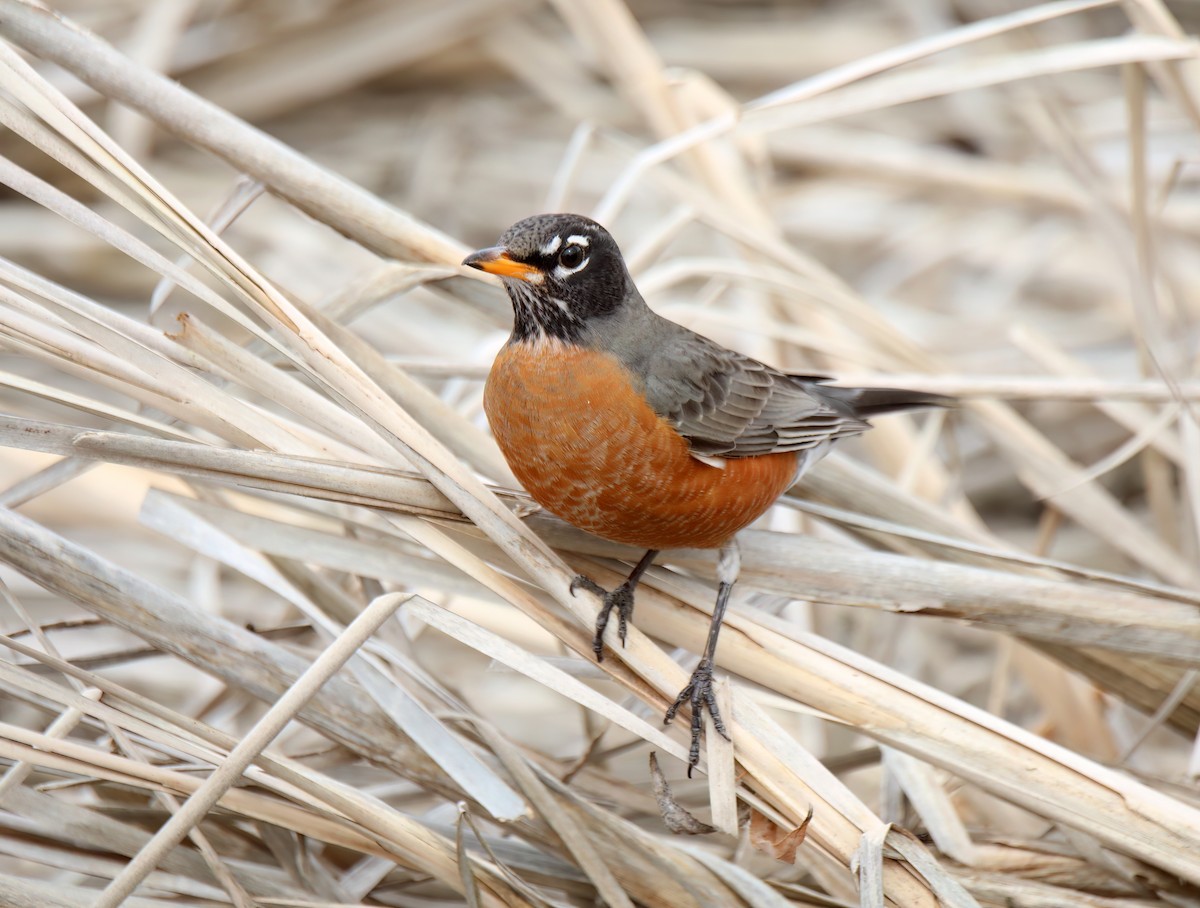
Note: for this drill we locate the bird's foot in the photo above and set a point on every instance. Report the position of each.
(620, 598)
(700, 696)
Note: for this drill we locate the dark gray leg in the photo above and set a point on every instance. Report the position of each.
(620, 598)
(699, 691)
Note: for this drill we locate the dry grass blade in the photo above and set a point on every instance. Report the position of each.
(970, 742)
(265, 731)
(997, 204)
(906, 87)
(333, 200)
(544, 673)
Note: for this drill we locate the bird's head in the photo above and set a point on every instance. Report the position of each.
(561, 272)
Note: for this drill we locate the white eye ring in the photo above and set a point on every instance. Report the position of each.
(564, 268)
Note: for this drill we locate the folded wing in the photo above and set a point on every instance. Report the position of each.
(727, 404)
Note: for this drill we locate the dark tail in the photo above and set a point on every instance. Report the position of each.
(868, 402)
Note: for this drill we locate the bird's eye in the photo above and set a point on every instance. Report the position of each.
(571, 257)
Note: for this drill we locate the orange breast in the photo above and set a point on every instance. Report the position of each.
(587, 447)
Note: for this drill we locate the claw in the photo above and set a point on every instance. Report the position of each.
(699, 695)
(587, 583)
(620, 598)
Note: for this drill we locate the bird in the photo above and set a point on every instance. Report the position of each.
(642, 431)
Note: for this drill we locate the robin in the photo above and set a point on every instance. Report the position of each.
(641, 431)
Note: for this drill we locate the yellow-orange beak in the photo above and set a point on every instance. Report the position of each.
(496, 260)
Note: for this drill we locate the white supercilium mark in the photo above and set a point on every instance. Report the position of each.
(551, 247)
(577, 240)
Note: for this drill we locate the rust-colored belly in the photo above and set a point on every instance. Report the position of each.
(587, 447)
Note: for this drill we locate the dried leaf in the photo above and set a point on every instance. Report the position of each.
(770, 838)
(677, 818)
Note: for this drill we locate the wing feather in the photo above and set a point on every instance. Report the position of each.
(729, 405)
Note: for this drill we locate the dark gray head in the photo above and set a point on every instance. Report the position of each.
(561, 271)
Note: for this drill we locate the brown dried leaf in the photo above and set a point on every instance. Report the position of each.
(769, 837)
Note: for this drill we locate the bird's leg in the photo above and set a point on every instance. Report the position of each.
(699, 691)
(620, 598)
